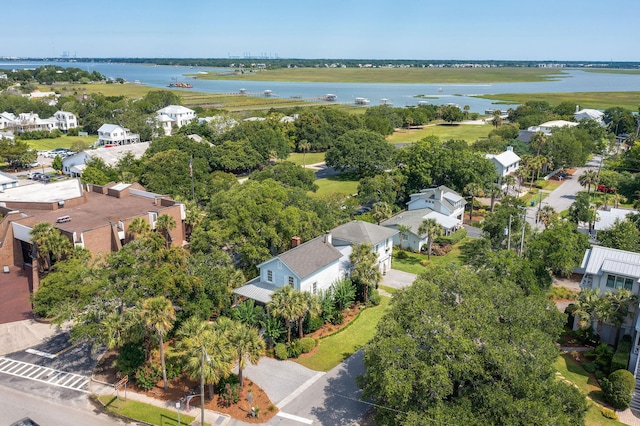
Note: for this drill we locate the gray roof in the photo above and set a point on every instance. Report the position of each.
(442, 193)
(256, 290)
(359, 232)
(603, 259)
(413, 219)
(109, 128)
(506, 158)
(309, 257)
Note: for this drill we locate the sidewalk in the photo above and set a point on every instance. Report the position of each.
(20, 335)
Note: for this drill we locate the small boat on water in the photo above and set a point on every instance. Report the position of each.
(385, 101)
(268, 92)
(180, 85)
(330, 97)
(361, 101)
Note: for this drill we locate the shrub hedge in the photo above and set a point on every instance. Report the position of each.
(454, 238)
(621, 357)
(618, 388)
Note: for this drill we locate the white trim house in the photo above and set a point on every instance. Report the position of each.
(174, 116)
(112, 134)
(506, 162)
(315, 265)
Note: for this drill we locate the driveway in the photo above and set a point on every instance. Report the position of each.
(309, 397)
(398, 279)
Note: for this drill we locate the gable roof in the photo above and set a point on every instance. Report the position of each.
(109, 128)
(309, 257)
(506, 158)
(442, 193)
(413, 219)
(175, 109)
(603, 259)
(359, 232)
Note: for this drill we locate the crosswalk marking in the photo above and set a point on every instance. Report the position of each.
(46, 375)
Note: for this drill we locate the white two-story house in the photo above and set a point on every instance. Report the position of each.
(112, 134)
(174, 116)
(316, 264)
(442, 204)
(505, 163)
(607, 269)
(66, 120)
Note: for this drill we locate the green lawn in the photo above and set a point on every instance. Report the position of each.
(61, 142)
(412, 263)
(144, 412)
(392, 75)
(344, 184)
(309, 158)
(468, 132)
(338, 347)
(597, 100)
(573, 372)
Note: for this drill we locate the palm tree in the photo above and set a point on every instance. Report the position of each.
(585, 306)
(538, 141)
(312, 306)
(194, 215)
(620, 303)
(246, 344)
(195, 335)
(509, 181)
(165, 224)
(158, 315)
(50, 244)
(588, 178)
(404, 233)
(432, 229)
(475, 190)
(493, 191)
(364, 269)
(272, 330)
(381, 211)
(286, 303)
(548, 215)
(304, 146)
(497, 118)
(137, 227)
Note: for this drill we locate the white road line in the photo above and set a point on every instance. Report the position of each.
(295, 418)
(52, 377)
(40, 353)
(300, 389)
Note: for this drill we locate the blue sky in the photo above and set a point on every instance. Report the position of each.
(586, 30)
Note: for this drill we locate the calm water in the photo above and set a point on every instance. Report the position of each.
(398, 94)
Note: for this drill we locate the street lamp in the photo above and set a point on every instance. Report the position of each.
(204, 355)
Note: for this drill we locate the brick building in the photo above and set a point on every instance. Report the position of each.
(92, 216)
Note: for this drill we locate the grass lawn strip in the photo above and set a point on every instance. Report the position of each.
(61, 142)
(309, 158)
(467, 132)
(337, 184)
(144, 412)
(334, 349)
(571, 371)
(413, 265)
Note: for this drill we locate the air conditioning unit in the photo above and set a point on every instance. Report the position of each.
(636, 350)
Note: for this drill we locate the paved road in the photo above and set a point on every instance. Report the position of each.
(563, 196)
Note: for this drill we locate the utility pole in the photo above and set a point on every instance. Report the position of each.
(509, 233)
(202, 389)
(524, 222)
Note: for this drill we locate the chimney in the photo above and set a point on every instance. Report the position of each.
(577, 108)
(509, 148)
(327, 237)
(295, 242)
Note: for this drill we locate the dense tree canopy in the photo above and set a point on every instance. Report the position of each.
(289, 174)
(468, 348)
(365, 152)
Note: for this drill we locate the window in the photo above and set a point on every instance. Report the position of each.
(269, 275)
(314, 287)
(291, 281)
(614, 281)
(279, 265)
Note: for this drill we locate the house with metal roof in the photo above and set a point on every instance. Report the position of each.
(316, 264)
(174, 116)
(589, 114)
(506, 162)
(112, 135)
(606, 270)
(75, 164)
(442, 204)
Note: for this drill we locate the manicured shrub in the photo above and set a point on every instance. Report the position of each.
(307, 344)
(610, 414)
(147, 376)
(375, 298)
(294, 349)
(312, 323)
(591, 367)
(618, 389)
(231, 394)
(604, 354)
(620, 359)
(281, 351)
(232, 379)
(402, 255)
